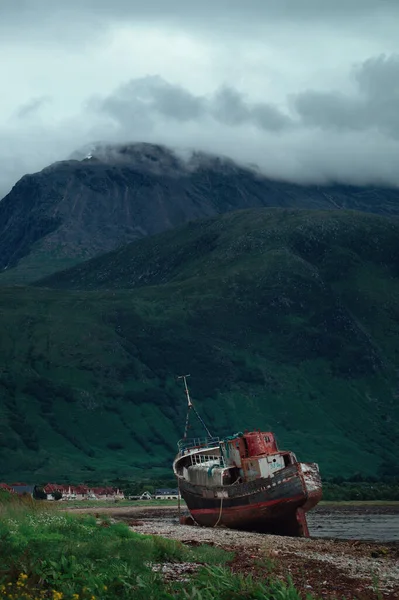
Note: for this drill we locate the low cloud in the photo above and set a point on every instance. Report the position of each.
(373, 106)
(154, 97)
(32, 107)
(314, 136)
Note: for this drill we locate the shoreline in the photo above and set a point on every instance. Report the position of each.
(344, 505)
(322, 566)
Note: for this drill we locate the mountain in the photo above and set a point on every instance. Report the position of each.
(77, 209)
(286, 319)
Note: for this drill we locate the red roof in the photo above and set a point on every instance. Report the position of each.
(50, 488)
(104, 491)
(7, 488)
(81, 489)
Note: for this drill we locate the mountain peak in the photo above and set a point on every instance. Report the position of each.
(140, 154)
(107, 195)
(154, 158)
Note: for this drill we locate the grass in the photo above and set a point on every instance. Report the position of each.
(49, 554)
(98, 505)
(218, 582)
(45, 550)
(287, 320)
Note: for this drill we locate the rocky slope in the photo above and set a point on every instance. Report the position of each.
(76, 209)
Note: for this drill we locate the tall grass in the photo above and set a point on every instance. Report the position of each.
(218, 582)
(48, 554)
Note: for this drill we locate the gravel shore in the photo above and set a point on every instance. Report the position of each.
(324, 567)
(325, 563)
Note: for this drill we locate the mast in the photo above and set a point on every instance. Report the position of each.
(184, 377)
(189, 403)
(191, 407)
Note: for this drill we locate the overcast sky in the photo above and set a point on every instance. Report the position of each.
(306, 89)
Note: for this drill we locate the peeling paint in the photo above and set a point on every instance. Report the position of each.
(246, 482)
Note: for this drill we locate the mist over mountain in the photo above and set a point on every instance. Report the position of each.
(110, 195)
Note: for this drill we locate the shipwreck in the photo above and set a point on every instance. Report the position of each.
(245, 482)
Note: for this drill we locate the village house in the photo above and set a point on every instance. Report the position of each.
(106, 493)
(19, 489)
(166, 494)
(7, 488)
(23, 489)
(83, 492)
(67, 491)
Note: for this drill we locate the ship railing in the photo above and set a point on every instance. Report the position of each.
(189, 444)
(200, 459)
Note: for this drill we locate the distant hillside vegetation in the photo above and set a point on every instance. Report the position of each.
(286, 319)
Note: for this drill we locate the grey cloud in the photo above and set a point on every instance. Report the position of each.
(330, 110)
(157, 94)
(373, 106)
(379, 75)
(229, 106)
(77, 19)
(145, 97)
(31, 107)
(325, 136)
(181, 9)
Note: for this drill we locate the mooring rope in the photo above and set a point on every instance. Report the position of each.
(220, 512)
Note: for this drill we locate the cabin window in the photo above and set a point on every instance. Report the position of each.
(267, 439)
(287, 460)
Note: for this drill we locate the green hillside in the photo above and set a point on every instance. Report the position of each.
(286, 319)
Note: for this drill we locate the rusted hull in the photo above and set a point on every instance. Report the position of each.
(274, 505)
(265, 517)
